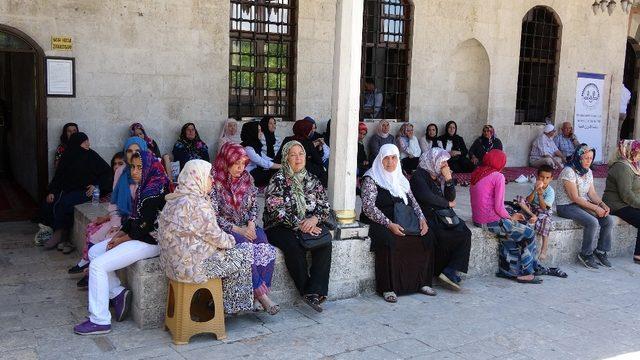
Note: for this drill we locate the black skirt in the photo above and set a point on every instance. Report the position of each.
(452, 247)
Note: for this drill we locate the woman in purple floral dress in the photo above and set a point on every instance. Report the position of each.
(234, 200)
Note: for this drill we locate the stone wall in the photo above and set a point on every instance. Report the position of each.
(164, 63)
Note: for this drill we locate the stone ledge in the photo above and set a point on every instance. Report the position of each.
(352, 265)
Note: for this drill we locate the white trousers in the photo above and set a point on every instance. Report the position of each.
(104, 284)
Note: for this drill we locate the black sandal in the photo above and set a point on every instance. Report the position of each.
(557, 272)
(313, 301)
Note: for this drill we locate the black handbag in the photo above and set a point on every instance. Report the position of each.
(404, 216)
(447, 218)
(312, 242)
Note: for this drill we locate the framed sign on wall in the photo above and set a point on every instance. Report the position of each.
(61, 76)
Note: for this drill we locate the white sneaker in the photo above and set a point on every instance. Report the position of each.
(521, 179)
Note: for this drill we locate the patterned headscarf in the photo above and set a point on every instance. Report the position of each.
(121, 195)
(379, 129)
(147, 139)
(493, 161)
(487, 143)
(394, 181)
(154, 181)
(231, 190)
(194, 180)
(432, 160)
(576, 164)
(403, 130)
(627, 151)
(296, 178)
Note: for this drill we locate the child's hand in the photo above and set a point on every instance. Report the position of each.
(533, 219)
(539, 185)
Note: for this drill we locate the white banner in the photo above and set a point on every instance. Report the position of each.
(587, 121)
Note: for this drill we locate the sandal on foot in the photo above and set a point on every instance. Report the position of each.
(535, 280)
(427, 290)
(557, 272)
(313, 301)
(450, 284)
(273, 309)
(390, 297)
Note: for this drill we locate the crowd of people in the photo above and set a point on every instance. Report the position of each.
(201, 217)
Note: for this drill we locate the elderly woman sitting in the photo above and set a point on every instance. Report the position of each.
(297, 208)
(193, 248)
(403, 255)
(435, 191)
(234, 199)
(409, 147)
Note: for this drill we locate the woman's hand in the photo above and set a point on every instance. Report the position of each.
(533, 219)
(600, 212)
(474, 160)
(605, 207)
(117, 240)
(455, 153)
(423, 227)
(396, 229)
(250, 232)
(50, 198)
(315, 231)
(89, 191)
(517, 217)
(308, 224)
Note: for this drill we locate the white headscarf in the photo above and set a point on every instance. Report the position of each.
(395, 182)
(225, 137)
(548, 128)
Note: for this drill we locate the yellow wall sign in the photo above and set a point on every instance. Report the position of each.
(61, 43)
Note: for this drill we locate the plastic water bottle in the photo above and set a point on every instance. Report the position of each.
(95, 199)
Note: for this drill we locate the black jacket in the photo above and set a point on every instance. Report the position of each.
(458, 143)
(141, 227)
(428, 193)
(478, 150)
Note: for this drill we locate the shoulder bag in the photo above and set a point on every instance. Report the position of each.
(447, 218)
(405, 216)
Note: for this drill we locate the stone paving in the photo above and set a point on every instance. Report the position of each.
(590, 315)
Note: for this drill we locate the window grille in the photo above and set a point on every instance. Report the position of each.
(538, 68)
(386, 52)
(262, 51)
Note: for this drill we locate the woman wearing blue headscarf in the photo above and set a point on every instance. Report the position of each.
(119, 208)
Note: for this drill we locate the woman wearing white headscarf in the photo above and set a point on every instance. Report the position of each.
(435, 191)
(193, 248)
(229, 133)
(404, 263)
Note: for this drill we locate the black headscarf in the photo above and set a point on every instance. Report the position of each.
(80, 167)
(446, 137)
(249, 136)
(63, 137)
(183, 134)
(433, 139)
(269, 136)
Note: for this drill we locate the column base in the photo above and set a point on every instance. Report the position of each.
(345, 216)
(354, 230)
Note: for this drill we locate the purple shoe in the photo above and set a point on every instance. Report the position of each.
(122, 304)
(89, 328)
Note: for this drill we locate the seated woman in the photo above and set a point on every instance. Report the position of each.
(435, 191)
(80, 169)
(319, 141)
(260, 166)
(67, 130)
(193, 248)
(234, 199)
(124, 189)
(409, 148)
(403, 262)
(296, 203)
(363, 160)
(136, 129)
(577, 199)
(270, 141)
(622, 192)
(454, 144)
(485, 143)
(381, 137)
(133, 242)
(189, 146)
(314, 164)
(517, 245)
(228, 133)
(430, 138)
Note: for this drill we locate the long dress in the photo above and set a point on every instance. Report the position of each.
(402, 264)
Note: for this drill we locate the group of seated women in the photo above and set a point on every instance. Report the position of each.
(411, 146)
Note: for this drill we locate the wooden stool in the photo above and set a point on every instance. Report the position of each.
(188, 314)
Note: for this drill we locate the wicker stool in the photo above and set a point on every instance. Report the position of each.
(189, 314)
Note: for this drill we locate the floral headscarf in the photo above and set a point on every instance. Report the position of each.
(627, 151)
(231, 190)
(154, 181)
(147, 139)
(296, 178)
(432, 160)
(493, 161)
(576, 163)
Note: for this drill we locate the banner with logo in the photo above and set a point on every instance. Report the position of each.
(587, 121)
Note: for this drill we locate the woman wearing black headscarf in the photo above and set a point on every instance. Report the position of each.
(80, 169)
(483, 144)
(260, 166)
(67, 130)
(189, 146)
(454, 144)
(270, 142)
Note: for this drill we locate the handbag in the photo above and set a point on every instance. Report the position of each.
(447, 218)
(404, 216)
(312, 242)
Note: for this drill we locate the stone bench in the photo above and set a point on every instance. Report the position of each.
(352, 265)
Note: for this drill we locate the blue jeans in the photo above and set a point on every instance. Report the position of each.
(590, 224)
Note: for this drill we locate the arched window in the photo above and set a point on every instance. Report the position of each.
(386, 51)
(538, 69)
(262, 58)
